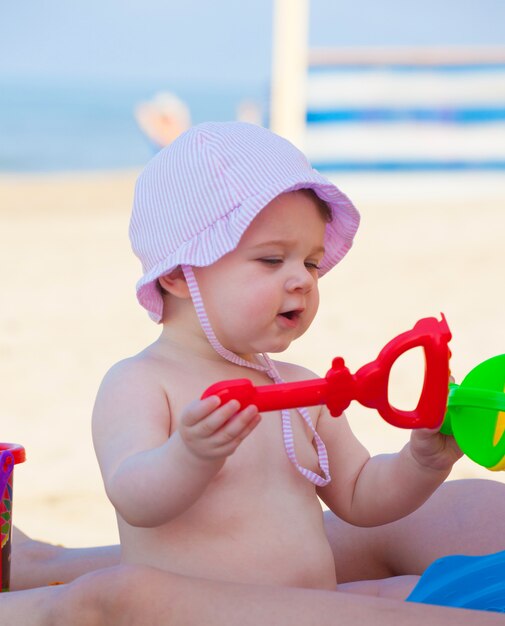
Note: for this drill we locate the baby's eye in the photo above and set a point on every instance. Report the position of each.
(271, 260)
(310, 265)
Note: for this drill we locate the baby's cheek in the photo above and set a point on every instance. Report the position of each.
(311, 311)
(263, 301)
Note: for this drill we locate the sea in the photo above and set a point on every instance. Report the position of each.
(371, 117)
(48, 126)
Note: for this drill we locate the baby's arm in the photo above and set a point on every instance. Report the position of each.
(369, 491)
(150, 477)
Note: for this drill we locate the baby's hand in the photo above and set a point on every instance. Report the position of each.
(434, 450)
(214, 431)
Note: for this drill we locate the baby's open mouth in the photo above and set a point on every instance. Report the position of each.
(291, 315)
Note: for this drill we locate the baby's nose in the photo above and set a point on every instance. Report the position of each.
(301, 280)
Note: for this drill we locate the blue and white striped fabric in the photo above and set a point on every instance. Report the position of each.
(389, 114)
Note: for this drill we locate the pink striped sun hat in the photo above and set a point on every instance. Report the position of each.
(196, 197)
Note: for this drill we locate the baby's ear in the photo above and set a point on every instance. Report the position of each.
(175, 283)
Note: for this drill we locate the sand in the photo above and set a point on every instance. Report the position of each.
(428, 243)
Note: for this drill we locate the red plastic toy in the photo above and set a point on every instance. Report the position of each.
(369, 385)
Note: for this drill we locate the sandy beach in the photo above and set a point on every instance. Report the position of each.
(428, 243)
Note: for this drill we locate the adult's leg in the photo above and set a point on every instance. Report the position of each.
(462, 517)
(49, 606)
(36, 563)
(131, 596)
(146, 596)
(397, 587)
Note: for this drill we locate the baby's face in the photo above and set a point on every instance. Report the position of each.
(264, 294)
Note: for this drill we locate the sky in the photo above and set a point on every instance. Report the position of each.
(222, 42)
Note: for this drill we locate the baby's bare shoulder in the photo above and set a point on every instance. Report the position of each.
(132, 369)
(130, 388)
(290, 372)
(138, 376)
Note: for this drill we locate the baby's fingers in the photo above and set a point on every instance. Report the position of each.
(203, 422)
(238, 427)
(198, 410)
(222, 429)
(211, 425)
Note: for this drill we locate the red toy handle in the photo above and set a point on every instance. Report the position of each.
(271, 397)
(372, 379)
(369, 385)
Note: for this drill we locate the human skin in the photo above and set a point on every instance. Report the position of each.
(138, 595)
(192, 473)
(159, 465)
(462, 517)
(38, 563)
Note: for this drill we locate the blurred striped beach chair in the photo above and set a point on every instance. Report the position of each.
(406, 109)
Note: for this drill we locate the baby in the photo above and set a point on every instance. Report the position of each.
(234, 228)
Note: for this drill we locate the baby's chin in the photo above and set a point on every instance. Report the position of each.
(275, 347)
(269, 348)
(271, 345)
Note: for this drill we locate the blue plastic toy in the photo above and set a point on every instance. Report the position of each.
(467, 582)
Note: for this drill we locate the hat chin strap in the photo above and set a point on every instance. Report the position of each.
(271, 371)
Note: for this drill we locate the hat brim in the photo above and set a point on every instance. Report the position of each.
(223, 236)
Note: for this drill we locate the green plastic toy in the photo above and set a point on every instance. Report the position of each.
(476, 414)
